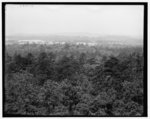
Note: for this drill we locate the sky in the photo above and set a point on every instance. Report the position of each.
(101, 20)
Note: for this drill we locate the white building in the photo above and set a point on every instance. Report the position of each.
(31, 42)
(81, 43)
(92, 44)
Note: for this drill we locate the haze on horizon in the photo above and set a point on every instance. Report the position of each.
(96, 20)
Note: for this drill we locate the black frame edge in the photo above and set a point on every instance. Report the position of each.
(145, 44)
(3, 55)
(145, 41)
(78, 3)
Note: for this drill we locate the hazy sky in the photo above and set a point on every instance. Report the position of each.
(71, 19)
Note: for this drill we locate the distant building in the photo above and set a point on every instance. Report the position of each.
(61, 43)
(81, 43)
(92, 44)
(31, 42)
(50, 42)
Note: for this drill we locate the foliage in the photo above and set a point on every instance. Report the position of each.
(73, 80)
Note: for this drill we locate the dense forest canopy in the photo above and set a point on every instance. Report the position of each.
(73, 80)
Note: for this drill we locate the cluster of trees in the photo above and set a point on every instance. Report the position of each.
(71, 82)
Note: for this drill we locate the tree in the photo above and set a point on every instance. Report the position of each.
(66, 68)
(70, 96)
(43, 69)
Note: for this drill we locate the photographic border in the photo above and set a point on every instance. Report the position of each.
(145, 39)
